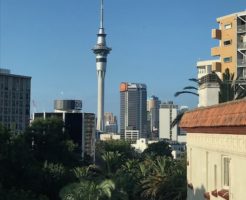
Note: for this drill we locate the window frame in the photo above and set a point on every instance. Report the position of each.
(227, 59)
(230, 42)
(228, 26)
(226, 160)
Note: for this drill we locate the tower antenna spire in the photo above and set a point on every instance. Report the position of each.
(101, 14)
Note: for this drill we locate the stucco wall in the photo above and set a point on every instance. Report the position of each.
(205, 154)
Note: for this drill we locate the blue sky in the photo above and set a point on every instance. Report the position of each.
(154, 42)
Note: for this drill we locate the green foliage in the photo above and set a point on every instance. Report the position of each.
(166, 179)
(50, 142)
(111, 161)
(120, 148)
(41, 164)
(160, 148)
(15, 194)
(37, 163)
(88, 190)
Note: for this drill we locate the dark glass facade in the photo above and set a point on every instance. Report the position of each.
(133, 109)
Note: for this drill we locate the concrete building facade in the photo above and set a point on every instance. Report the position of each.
(15, 94)
(168, 112)
(153, 106)
(232, 43)
(133, 113)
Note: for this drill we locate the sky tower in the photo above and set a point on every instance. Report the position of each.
(101, 50)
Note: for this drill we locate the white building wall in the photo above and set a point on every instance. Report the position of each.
(205, 154)
(165, 123)
(208, 94)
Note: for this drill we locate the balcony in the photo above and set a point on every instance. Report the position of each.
(241, 28)
(215, 51)
(241, 63)
(241, 45)
(216, 34)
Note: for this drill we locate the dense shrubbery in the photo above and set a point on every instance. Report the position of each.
(42, 164)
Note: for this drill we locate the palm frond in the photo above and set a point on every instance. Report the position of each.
(185, 92)
(190, 88)
(177, 119)
(194, 80)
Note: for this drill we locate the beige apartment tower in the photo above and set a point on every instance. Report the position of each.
(232, 44)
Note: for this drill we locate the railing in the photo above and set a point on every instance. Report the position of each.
(242, 45)
(241, 62)
(241, 28)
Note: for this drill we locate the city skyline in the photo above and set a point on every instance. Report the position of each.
(156, 44)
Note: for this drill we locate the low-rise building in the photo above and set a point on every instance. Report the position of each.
(216, 151)
(109, 136)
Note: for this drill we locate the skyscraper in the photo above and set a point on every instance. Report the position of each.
(153, 105)
(15, 92)
(101, 51)
(133, 109)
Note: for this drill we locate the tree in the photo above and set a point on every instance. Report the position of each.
(230, 88)
(189, 89)
(88, 190)
(36, 164)
(160, 148)
(123, 148)
(50, 142)
(165, 181)
(111, 162)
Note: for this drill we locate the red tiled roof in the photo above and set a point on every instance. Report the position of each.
(224, 116)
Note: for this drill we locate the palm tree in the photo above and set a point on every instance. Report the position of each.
(230, 89)
(166, 180)
(157, 179)
(111, 161)
(88, 190)
(189, 89)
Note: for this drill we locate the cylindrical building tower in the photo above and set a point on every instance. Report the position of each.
(101, 50)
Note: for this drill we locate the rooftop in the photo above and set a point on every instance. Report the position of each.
(227, 117)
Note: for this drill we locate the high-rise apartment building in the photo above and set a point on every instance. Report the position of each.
(232, 44)
(168, 112)
(153, 105)
(15, 92)
(133, 108)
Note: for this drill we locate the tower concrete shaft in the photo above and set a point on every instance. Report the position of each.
(101, 51)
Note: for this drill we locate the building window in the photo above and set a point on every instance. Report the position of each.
(228, 26)
(226, 172)
(227, 42)
(227, 59)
